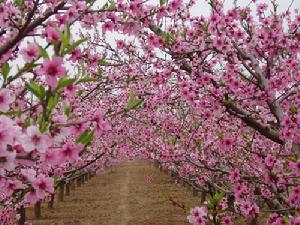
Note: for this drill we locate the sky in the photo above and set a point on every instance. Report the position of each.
(202, 8)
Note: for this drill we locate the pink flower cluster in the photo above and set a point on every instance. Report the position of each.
(198, 216)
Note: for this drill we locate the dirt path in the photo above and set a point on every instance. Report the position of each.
(124, 198)
(133, 193)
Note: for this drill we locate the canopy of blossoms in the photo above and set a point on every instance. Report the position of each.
(214, 99)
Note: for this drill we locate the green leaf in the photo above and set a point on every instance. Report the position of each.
(67, 110)
(162, 2)
(55, 180)
(68, 32)
(102, 61)
(86, 137)
(131, 96)
(217, 198)
(30, 66)
(135, 104)
(53, 101)
(43, 52)
(293, 109)
(73, 46)
(112, 6)
(19, 113)
(36, 89)
(205, 26)
(79, 92)
(27, 122)
(64, 82)
(65, 36)
(132, 102)
(105, 6)
(19, 3)
(168, 37)
(5, 70)
(43, 125)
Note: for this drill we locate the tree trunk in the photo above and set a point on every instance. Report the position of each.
(183, 183)
(73, 186)
(195, 192)
(252, 221)
(68, 189)
(296, 149)
(160, 168)
(51, 202)
(78, 182)
(22, 212)
(203, 196)
(37, 210)
(61, 192)
(156, 163)
(231, 203)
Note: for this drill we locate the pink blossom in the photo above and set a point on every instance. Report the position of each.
(100, 124)
(5, 99)
(28, 174)
(51, 34)
(295, 220)
(108, 26)
(121, 6)
(69, 152)
(62, 19)
(79, 127)
(12, 185)
(227, 220)
(42, 186)
(235, 175)
(52, 69)
(175, 4)
(76, 55)
(6, 132)
(227, 142)
(294, 197)
(70, 90)
(270, 160)
(30, 53)
(35, 140)
(31, 197)
(120, 44)
(51, 157)
(8, 159)
(275, 219)
(198, 216)
(295, 167)
(249, 209)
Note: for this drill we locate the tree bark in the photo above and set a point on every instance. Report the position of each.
(78, 182)
(22, 212)
(51, 202)
(203, 196)
(68, 189)
(61, 192)
(37, 210)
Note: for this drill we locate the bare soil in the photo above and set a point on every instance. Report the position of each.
(133, 193)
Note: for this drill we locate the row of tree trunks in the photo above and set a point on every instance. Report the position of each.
(253, 221)
(64, 188)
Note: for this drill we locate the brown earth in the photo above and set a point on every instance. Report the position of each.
(133, 193)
